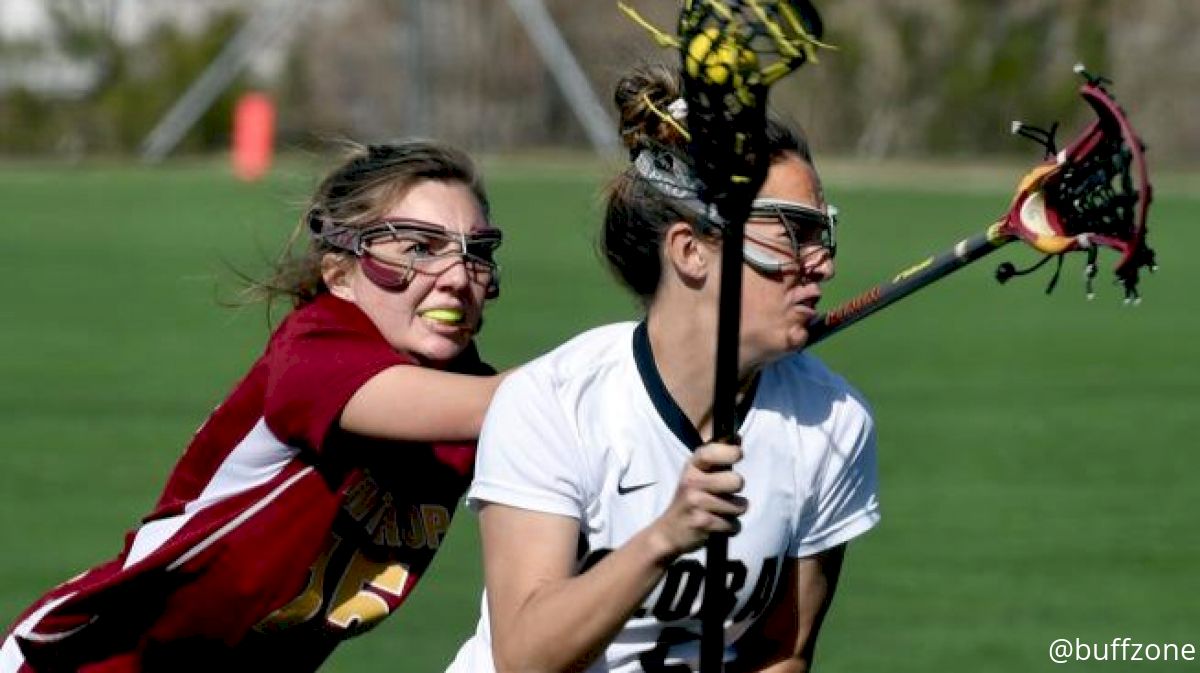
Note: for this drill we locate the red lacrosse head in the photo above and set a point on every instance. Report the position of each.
(1094, 192)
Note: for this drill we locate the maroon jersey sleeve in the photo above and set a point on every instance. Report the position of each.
(321, 355)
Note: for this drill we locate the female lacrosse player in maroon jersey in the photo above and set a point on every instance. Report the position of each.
(311, 501)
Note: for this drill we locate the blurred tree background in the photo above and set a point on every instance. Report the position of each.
(910, 78)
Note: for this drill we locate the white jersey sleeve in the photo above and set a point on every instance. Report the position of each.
(843, 500)
(529, 455)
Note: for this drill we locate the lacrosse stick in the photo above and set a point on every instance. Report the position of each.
(1094, 193)
(732, 51)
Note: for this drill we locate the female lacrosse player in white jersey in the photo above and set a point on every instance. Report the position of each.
(594, 489)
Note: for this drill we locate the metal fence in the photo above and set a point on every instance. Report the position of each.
(909, 78)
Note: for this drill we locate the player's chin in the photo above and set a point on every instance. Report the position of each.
(796, 331)
(439, 349)
(796, 339)
(787, 340)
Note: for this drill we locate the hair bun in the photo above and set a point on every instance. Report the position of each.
(643, 98)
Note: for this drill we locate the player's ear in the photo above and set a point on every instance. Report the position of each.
(336, 271)
(688, 254)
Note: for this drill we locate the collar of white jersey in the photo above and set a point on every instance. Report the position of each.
(668, 410)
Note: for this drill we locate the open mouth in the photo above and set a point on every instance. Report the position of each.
(810, 303)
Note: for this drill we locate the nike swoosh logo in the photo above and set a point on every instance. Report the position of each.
(621, 490)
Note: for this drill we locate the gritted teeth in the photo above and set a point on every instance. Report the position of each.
(449, 316)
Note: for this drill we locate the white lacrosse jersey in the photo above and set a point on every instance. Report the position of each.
(590, 432)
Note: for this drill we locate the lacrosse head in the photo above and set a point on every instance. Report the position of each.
(732, 52)
(1093, 193)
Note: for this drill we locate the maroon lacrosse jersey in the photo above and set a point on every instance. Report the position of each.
(278, 534)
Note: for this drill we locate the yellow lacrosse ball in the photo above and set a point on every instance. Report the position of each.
(719, 57)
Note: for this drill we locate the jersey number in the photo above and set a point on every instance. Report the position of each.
(655, 660)
(357, 602)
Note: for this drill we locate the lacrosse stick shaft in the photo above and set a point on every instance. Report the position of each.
(712, 610)
(906, 282)
(731, 52)
(729, 314)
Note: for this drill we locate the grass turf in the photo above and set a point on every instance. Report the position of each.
(1037, 456)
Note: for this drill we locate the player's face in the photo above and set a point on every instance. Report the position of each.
(436, 312)
(776, 307)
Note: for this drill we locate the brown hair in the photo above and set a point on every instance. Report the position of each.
(358, 193)
(637, 213)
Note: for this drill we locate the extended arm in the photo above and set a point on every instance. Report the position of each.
(406, 402)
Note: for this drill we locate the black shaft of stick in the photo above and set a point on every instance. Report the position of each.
(724, 412)
(905, 283)
(729, 318)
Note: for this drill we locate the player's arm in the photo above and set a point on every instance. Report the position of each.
(784, 640)
(545, 618)
(412, 403)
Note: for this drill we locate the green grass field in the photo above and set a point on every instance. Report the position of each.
(1038, 454)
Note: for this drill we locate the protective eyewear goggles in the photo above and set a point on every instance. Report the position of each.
(421, 247)
(811, 236)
